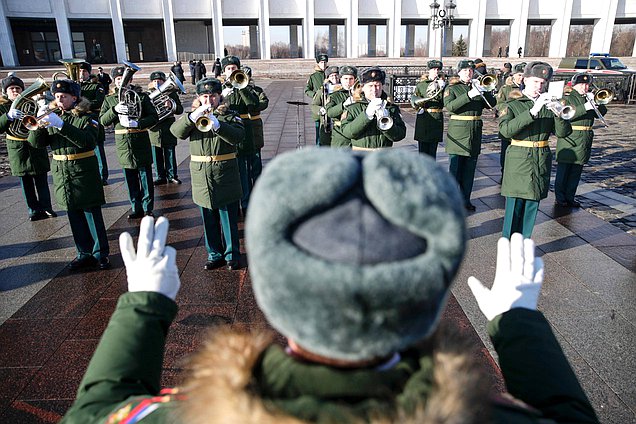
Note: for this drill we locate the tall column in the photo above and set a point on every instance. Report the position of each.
(293, 40)
(308, 34)
(254, 43)
(476, 32)
(118, 30)
(352, 29)
(602, 36)
(168, 29)
(409, 42)
(217, 24)
(7, 44)
(372, 40)
(63, 28)
(519, 28)
(561, 28)
(333, 41)
(263, 28)
(394, 30)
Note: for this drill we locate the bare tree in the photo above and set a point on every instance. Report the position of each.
(280, 50)
(579, 40)
(538, 40)
(623, 39)
(243, 52)
(499, 38)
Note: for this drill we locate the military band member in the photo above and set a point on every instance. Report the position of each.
(246, 103)
(319, 102)
(94, 92)
(28, 163)
(337, 102)
(527, 121)
(574, 150)
(216, 184)
(255, 166)
(360, 122)
(429, 123)
(132, 142)
(162, 140)
(465, 100)
(71, 133)
(513, 82)
(314, 83)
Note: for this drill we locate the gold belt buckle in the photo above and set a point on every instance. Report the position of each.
(64, 157)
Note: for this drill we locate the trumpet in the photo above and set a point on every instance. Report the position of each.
(238, 79)
(383, 117)
(204, 123)
(560, 109)
(33, 123)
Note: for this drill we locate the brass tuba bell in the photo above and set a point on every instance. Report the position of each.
(73, 71)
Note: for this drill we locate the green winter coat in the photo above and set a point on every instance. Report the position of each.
(245, 102)
(133, 149)
(160, 135)
(94, 92)
(463, 138)
(527, 169)
(77, 183)
(577, 147)
(335, 108)
(245, 379)
(429, 126)
(257, 124)
(24, 159)
(314, 84)
(364, 132)
(214, 184)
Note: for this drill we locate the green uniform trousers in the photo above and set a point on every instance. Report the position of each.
(101, 153)
(519, 217)
(463, 169)
(165, 159)
(567, 180)
(35, 189)
(141, 191)
(505, 142)
(220, 227)
(427, 148)
(89, 232)
(250, 167)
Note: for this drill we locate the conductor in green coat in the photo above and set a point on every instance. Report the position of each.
(372, 122)
(30, 164)
(71, 133)
(465, 100)
(574, 150)
(528, 123)
(361, 323)
(216, 183)
(429, 123)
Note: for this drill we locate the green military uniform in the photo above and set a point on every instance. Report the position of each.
(503, 95)
(76, 180)
(574, 150)
(93, 91)
(30, 165)
(117, 387)
(134, 151)
(255, 122)
(164, 145)
(216, 184)
(335, 108)
(429, 123)
(364, 133)
(463, 140)
(528, 162)
(319, 103)
(313, 85)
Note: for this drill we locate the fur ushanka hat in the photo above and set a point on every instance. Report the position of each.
(352, 256)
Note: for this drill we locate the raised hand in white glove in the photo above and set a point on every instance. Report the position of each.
(373, 106)
(52, 120)
(125, 121)
(14, 114)
(590, 96)
(215, 122)
(153, 267)
(227, 91)
(323, 111)
(198, 112)
(441, 83)
(541, 101)
(474, 92)
(518, 279)
(121, 109)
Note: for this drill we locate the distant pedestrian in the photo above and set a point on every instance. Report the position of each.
(177, 70)
(507, 51)
(199, 70)
(216, 68)
(499, 52)
(519, 51)
(191, 64)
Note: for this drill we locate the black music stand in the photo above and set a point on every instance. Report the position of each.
(298, 104)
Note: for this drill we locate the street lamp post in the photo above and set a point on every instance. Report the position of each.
(442, 19)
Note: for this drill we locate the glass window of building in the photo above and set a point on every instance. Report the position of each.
(372, 38)
(537, 39)
(330, 38)
(241, 38)
(46, 47)
(580, 37)
(496, 38)
(414, 38)
(456, 41)
(285, 38)
(79, 46)
(623, 37)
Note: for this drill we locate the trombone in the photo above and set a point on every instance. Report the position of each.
(602, 96)
(484, 83)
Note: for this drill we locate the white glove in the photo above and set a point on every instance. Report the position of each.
(121, 109)
(590, 96)
(323, 111)
(373, 106)
(154, 266)
(52, 120)
(198, 112)
(474, 92)
(421, 111)
(588, 105)
(125, 121)
(541, 101)
(348, 101)
(227, 91)
(518, 279)
(14, 114)
(215, 122)
(441, 83)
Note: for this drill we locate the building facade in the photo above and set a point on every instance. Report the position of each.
(39, 32)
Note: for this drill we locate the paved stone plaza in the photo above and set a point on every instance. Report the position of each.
(51, 320)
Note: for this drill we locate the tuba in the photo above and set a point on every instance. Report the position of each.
(128, 96)
(433, 91)
(73, 70)
(160, 97)
(25, 103)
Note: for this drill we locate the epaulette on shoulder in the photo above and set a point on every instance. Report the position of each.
(515, 94)
(454, 81)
